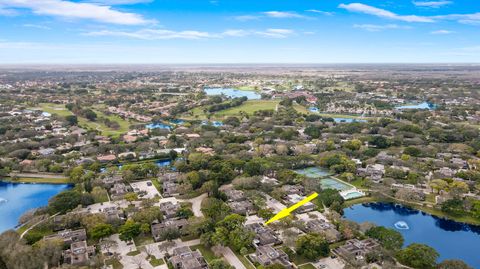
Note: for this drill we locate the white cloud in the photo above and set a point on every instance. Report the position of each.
(154, 34)
(162, 34)
(37, 26)
(378, 28)
(473, 18)
(75, 10)
(320, 12)
(118, 2)
(236, 33)
(432, 4)
(246, 18)
(276, 33)
(366, 9)
(442, 32)
(282, 14)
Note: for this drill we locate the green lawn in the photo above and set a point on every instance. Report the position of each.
(142, 240)
(156, 262)
(39, 180)
(307, 266)
(133, 253)
(60, 110)
(248, 107)
(245, 261)
(359, 183)
(206, 252)
(115, 263)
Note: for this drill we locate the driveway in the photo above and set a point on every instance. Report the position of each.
(231, 258)
(196, 204)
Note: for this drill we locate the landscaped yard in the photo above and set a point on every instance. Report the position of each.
(307, 266)
(206, 252)
(245, 261)
(115, 263)
(156, 262)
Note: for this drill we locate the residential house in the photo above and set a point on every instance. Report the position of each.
(78, 254)
(357, 249)
(68, 236)
(263, 235)
(159, 229)
(184, 258)
(267, 255)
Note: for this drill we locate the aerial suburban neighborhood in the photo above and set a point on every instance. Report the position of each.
(161, 170)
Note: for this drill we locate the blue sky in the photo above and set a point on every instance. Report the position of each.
(239, 31)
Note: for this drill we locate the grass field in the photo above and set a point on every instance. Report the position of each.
(39, 180)
(248, 107)
(206, 252)
(60, 110)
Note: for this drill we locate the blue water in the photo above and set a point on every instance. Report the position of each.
(452, 240)
(213, 123)
(23, 197)
(177, 121)
(348, 120)
(233, 93)
(424, 105)
(158, 126)
(163, 163)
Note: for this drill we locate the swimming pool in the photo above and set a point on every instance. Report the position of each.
(351, 194)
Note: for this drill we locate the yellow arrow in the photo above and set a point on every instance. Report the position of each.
(285, 212)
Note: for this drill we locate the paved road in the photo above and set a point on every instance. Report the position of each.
(231, 258)
(196, 204)
(33, 226)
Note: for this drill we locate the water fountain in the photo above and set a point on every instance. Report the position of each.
(401, 225)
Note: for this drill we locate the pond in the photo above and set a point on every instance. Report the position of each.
(18, 198)
(233, 93)
(451, 239)
(348, 120)
(424, 105)
(158, 126)
(163, 163)
(213, 123)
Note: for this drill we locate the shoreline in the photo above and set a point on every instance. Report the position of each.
(427, 210)
(27, 180)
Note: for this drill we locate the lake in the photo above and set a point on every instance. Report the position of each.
(424, 105)
(233, 93)
(18, 198)
(451, 239)
(337, 120)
